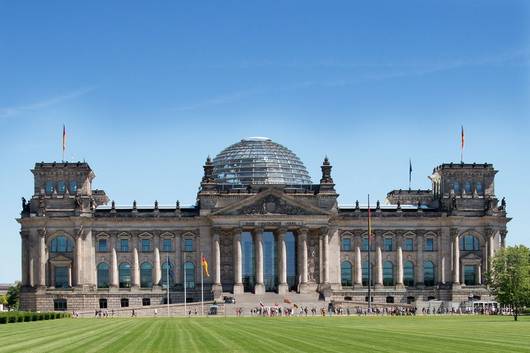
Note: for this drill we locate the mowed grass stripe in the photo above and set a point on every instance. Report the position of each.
(313, 334)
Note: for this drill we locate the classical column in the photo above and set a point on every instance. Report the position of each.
(24, 257)
(259, 287)
(69, 276)
(491, 246)
(399, 280)
(158, 270)
(42, 259)
(302, 253)
(456, 260)
(282, 266)
(442, 270)
(479, 274)
(31, 270)
(358, 266)
(325, 256)
(136, 268)
(114, 276)
(216, 252)
(503, 238)
(78, 260)
(238, 265)
(419, 260)
(379, 268)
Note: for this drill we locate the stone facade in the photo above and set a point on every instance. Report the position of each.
(78, 252)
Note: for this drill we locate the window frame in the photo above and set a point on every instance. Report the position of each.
(344, 241)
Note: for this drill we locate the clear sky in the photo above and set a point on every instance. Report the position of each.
(149, 89)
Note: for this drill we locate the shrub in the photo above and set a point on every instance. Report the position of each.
(11, 319)
(3, 319)
(34, 317)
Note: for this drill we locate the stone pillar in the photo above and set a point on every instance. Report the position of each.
(238, 265)
(302, 254)
(135, 269)
(399, 280)
(282, 265)
(52, 275)
(491, 246)
(259, 287)
(325, 257)
(216, 253)
(379, 268)
(442, 270)
(456, 259)
(479, 274)
(69, 276)
(358, 266)
(31, 277)
(419, 259)
(114, 275)
(24, 257)
(79, 260)
(42, 259)
(158, 270)
(503, 238)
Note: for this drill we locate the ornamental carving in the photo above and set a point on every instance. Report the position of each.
(272, 205)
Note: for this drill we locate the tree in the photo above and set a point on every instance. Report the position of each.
(13, 294)
(3, 299)
(509, 277)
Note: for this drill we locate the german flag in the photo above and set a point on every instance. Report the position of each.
(204, 264)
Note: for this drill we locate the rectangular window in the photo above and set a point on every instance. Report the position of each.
(346, 244)
(408, 245)
(61, 187)
(124, 302)
(60, 305)
(387, 244)
(73, 187)
(188, 245)
(103, 245)
(124, 245)
(167, 245)
(103, 303)
(470, 275)
(146, 301)
(146, 245)
(429, 245)
(49, 187)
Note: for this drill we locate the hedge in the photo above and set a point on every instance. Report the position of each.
(26, 316)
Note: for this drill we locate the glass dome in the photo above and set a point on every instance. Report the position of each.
(259, 160)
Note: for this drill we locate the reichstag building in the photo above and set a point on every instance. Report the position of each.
(264, 226)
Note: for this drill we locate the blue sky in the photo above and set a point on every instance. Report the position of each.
(148, 90)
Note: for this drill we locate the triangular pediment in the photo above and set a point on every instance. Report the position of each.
(471, 256)
(60, 258)
(271, 202)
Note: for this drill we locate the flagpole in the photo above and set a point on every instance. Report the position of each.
(462, 146)
(369, 260)
(185, 310)
(167, 284)
(202, 286)
(410, 173)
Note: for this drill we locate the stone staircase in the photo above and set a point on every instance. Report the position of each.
(248, 301)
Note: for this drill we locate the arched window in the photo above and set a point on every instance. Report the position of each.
(428, 273)
(125, 275)
(167, 274)
(189, 269)
(456, 187)
(388, 273)
(61, 277)
(346, 273)
(61, 244)
(103, 275)
(478, 187)
(469, 243)
(146, 275)
(365, 273)
(467, 187)
(408, 274)
(346, 244)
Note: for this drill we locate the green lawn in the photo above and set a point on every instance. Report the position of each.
(337, 334)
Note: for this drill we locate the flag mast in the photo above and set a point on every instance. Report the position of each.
(64, 140)
(369, 261)
(167, 284)
(462, 146)
(202, 285)
(185, 284)
(410, 172)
